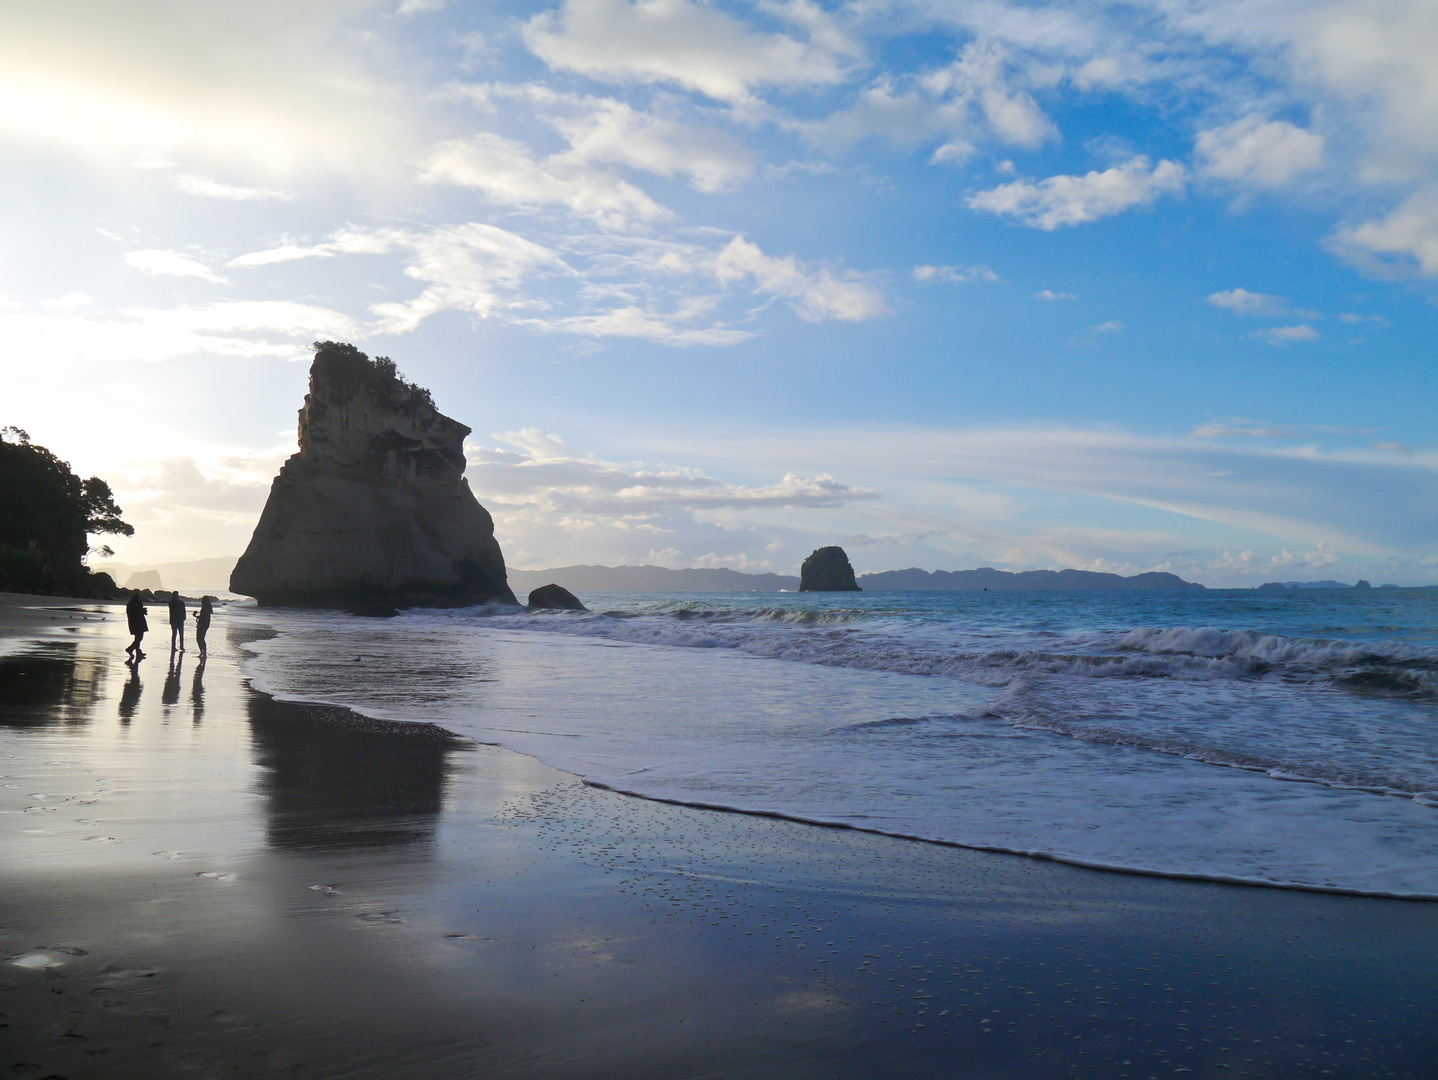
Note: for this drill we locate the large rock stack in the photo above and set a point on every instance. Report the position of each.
(374, 507)
(827, 570)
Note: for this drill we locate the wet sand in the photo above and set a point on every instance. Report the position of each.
(198, 881)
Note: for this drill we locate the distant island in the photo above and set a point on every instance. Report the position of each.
(592, 579)
(1024, 581)
(1281, 586)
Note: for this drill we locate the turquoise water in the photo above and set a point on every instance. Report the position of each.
(1288, 739)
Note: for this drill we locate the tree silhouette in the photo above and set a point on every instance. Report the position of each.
(47, 515)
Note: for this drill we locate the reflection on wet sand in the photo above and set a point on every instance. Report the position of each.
(336, 779)
(50, 685)
(130, 695)
(170, 695)
(197, 690)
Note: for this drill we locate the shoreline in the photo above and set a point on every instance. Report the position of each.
(302, 888)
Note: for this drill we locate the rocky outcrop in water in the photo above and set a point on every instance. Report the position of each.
(827, 570)
(554, 598)
(374, 508)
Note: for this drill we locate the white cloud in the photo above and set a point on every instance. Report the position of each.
(1376, 59)
(1258, 152)
(1074, 200)
(1237, 429)
(272, 90)
(613, 132)
(689, 44)
(667, 328)
(348, 241)
(982, 78)
(1404, 240)
(1243, 302)
(546, 471)
(475, 268)
(506, 173)
(817, 294)
(483, 269)
(1287, 335)
(978, 96)
(171, 263)
(1050, 295)
(553, 504)
(191, 184)
(232, 328)
(953, 274)
(1093, 334)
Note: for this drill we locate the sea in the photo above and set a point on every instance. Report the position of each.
(1279, 739)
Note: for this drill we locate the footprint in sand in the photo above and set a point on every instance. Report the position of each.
(37, 961)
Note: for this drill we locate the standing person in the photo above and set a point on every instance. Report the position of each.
(202, 621)
(177, 620)
(135, 615)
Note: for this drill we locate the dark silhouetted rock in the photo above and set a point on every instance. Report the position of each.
(374, 509)
(827, 570)
(1363, 584)
(554, 597)
(145, 579)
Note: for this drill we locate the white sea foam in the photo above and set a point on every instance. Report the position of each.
(1167, 749)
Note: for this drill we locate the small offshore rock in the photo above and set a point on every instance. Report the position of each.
(554, 598)
(827, 570)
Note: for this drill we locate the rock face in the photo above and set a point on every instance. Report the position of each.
(374, 508)
(554, 597)
(827, 570)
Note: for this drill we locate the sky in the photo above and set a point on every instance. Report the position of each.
(1116, 286)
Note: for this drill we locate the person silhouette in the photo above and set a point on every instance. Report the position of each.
(177, 621)
(202, 622)
(135, 614)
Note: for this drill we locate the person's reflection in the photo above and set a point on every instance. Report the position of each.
(336, 779)
(170, 694)
(130, 695)
(197, 690)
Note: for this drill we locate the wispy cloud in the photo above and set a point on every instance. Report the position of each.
(1243, 302)
(172, 264)
(191, 184)
(690, 45)
(1093, 334)
(1287, 335)
(953, 275)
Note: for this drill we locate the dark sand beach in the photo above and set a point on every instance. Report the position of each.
(198, 881)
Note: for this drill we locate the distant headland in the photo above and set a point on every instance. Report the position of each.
(592, 579)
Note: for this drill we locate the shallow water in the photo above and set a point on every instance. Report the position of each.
(1288, 739)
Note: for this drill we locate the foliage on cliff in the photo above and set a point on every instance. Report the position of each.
(47, 515)
(348, 370)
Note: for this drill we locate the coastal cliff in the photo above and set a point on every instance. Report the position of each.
(374, 507)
